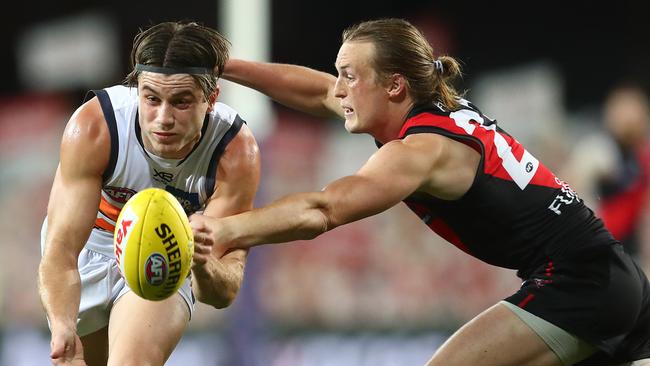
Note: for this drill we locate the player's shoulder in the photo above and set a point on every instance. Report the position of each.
(115, 97)
(120, 96)
(87, 125)
(224, 112)
(436, 117)
(88, 115)
(242, 151)
(86, 142)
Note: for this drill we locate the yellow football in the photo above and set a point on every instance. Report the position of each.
(153, 244)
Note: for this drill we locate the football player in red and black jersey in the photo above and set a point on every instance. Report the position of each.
(583, 299)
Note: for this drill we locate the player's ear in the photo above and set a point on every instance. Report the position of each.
(396, 85)
(213, 98)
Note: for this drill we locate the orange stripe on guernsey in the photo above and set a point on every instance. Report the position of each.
(104, 225)
(110, 211)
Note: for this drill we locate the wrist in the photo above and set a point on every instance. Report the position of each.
(60, 326)
(201, 271)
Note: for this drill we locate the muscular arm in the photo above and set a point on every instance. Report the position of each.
(394, 172)
(72, 209)
(217, 275)
(294, 86)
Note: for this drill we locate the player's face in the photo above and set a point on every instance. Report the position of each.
(363, 98)
(171, 109)
(627, 116)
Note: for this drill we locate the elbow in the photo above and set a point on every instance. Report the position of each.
(218, 299)
(317, 222)
(219, 302)
(227, 297)
(225, 301)
(219, 291)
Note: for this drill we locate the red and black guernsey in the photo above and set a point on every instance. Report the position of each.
(516, 214)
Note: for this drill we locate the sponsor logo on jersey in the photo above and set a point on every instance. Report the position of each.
(162, 176)
(529, 167)
(189, 201)
(119, 194)
(566, 197)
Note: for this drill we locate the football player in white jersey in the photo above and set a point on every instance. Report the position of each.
(171, 133)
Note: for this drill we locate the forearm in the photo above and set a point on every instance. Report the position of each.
(60, 290)
(296, 217)
(294, 86)
(218, 281)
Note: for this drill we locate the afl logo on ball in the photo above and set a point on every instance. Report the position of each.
(155, 269)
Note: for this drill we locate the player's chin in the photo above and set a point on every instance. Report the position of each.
(351, 124)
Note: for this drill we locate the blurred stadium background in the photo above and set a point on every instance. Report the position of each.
(382, 291)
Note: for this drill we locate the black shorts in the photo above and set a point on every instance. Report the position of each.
(601, 296)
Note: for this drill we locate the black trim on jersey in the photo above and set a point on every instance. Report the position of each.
(441, 131)
(423, 108)
(138, 134)
(109, 116)
(439, 111)
(210, 178)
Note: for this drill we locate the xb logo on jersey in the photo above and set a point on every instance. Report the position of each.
(163, 177)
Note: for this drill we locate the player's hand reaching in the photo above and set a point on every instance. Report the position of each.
(218, 270)
(204, 239)
(66, 348)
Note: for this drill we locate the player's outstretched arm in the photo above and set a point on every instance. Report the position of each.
(394, 172)
(294, 86)
(217, 275)
(72, 209)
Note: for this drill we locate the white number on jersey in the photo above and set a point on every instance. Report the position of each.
(522, 171)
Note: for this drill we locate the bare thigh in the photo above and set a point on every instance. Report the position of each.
(143, 332)
(96, 347)
(496, 337)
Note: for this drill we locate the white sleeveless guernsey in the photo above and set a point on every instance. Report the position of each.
(132, 169)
